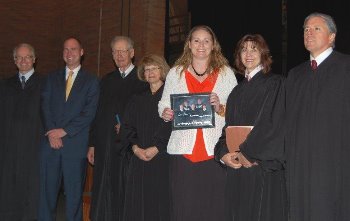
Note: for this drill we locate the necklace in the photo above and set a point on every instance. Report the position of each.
(199, 75)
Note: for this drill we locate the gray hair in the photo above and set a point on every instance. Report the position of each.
(30, 47)
(332, 27)
(123, 38)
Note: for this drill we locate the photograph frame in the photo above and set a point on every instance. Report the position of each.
(192, 111)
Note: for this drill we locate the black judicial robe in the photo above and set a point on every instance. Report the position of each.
(147, 186)
(257, 193)
(318, 140)
(20, 133)
(108, 182)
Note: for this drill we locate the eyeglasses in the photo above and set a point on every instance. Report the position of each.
(26, 58)
(121, 52)
(149, 70)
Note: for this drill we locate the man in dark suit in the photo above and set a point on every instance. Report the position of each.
(69, 102)
(104, 153)
(20, 131)
(318, 128)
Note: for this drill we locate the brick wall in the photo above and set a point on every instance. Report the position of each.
(45, 24)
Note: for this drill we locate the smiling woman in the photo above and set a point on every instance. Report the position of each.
(255, 187)
(144, 135)
(197, 181)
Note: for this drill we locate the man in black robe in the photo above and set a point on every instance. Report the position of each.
(19, 140)
(318, 128)
(104, 153)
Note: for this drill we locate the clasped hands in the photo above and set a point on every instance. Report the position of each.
(236, 160)
(145, 154)
(55, 137)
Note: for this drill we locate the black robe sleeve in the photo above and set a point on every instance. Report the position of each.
(142, 125)
(162, 135)
(265, 143)
(92, 132)
(128, 131)
(221, 147)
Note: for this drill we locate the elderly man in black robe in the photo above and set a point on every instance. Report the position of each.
(19, 138)
(318, 128)
(104, 152)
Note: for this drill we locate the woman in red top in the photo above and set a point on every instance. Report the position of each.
(196, 180)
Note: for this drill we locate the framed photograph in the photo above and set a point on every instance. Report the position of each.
(192, 111)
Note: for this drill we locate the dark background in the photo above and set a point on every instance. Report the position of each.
(230, 23)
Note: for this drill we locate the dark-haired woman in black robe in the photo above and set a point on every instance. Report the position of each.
(255, 189)
(146, 135)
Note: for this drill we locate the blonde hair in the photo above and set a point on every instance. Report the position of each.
(152, 59)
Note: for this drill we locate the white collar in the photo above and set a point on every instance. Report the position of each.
(26, 75)
(75, 70)
(253, 72)
(321, 57)
(128, 70)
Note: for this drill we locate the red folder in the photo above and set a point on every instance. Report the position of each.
(235, 136)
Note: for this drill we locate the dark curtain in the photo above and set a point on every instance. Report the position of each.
(299, 9)
(230, 23)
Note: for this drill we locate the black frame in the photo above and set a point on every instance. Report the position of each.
(194, 115)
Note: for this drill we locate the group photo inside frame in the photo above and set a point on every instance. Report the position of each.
(192, 111)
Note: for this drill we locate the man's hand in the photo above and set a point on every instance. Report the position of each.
(91, 155)
(56, 133)
(55, 143)
(55, 138)
(117, 128)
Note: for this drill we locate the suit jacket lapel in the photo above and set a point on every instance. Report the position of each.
(61, 83)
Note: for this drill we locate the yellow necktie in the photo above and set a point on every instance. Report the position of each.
(69, 83)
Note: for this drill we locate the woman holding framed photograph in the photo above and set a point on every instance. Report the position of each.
(196, 180)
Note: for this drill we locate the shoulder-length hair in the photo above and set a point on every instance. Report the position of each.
(260, 43)
(152, 59)
(216, 60)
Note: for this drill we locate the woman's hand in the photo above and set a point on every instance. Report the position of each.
(215, 101)
(230, 159)
(145, 154)
(139, 152)
(243, 160)
(168, 114)
(151, 152)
